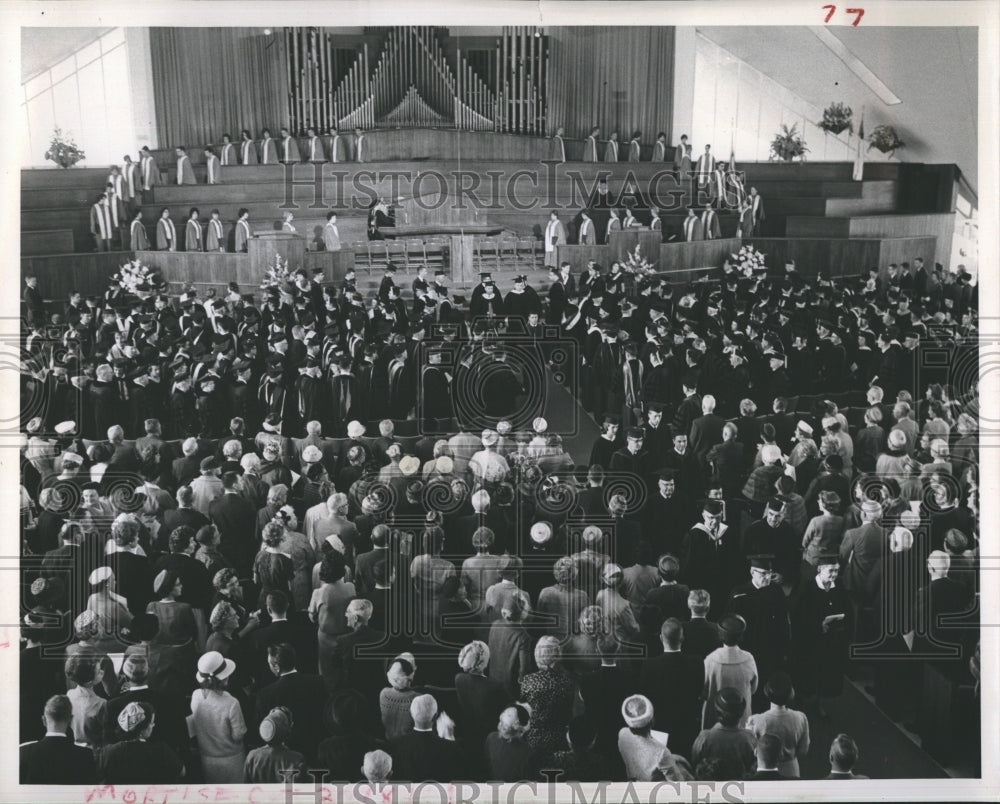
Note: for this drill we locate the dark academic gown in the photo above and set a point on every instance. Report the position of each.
(767, 636)
(820, 660)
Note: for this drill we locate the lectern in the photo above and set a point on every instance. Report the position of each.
(264, 246)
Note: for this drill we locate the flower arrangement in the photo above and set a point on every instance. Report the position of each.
(138, 279)
(787, 144)
(278, 277)
(884, 138)
(837, 118)
(636, 264)
(748, 260)
(63, 150)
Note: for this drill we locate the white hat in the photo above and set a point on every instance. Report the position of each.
(541, 532)
(490, 437)
(72, 457)
(409, 465)
(336, 543)
(897, 439)
(312, 454)
(610, 571)
(804, 427)
(355, 429)
(637, 711)
(829, 421)
(214, 665)
(503, 427)
(539, 425)
(66, 428)
(444, 465)
(100, 575)
(34, 425)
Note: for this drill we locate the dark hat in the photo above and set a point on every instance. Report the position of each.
(762, 562)
(729, 701)
(209, 463)
(655, 407)
(635, 432)
(713, 507)
(732, 625)
(779, 686)
(667, 474)
(232, 466)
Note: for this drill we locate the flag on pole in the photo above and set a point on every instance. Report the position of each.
(859, 159)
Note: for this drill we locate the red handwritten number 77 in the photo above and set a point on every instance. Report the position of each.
(833, 10)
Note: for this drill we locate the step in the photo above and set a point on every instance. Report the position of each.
(49, 241)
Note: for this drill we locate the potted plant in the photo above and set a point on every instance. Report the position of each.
(837, 118)
(787, 144)
(63, 150)
(886, 139)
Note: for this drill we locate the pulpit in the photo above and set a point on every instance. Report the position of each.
(264, 246)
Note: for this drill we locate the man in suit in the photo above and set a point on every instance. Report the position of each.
(768, 753)
(235, 517)
(670, 598)
(693, 228)
(937, 599)
(170, 725)
(843, 756)
(421, 755)
(603, 690)
(701, 635)
(674, 682)
(352, 669)
(860, 554)
(727, 462)
(302, 693)
(285, 627)
(706, 430)
(56, 759)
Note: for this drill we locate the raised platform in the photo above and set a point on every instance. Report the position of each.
(839, 257)
(683, 260)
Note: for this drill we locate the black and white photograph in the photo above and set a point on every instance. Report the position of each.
(566, 401)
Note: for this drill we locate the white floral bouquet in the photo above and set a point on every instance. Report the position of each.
(279, 276)
(141, 280)
(748, 261)
(636, 264)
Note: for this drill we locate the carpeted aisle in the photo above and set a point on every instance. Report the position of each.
(886, 753)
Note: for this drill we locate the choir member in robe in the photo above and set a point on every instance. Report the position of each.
(710, 223)
(590, 146)
(150, 172)
(212, 167)
(166, 233)
(268, 149)
(185, 172)
(227, 153)
(101, 224)
(242, 234)
(560, 153)
(611, 152)
(704, 170)
(693, 229)
(359, 138)
(192, 232)
(331, 235)
(555, 236)
(315, 146)
(682, 158)
(214, 236)
(634, 147)
(248, 149)
(138, 241)
(131, 181)
(660, 149)
(336, 151)
(289, 148)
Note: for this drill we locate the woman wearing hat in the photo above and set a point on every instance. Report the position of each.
(274, 762)
(550, 692)
(136, 759)
(84, 671)
(560, 605)
(732, 746)
(510, 644)
(273, 570)
(177, 620)
(645, 751)
(509, 756)
(111, 608)
(789, 725)
(295, 545)
(328, 609)
(395, 700)
(480, 700)
(217, 721)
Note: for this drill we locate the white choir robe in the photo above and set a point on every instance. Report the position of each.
(130, 176)
(185, 173)
(704, 169)
(101, 226)
(215, 239)
(316, 150)
(212, 167)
